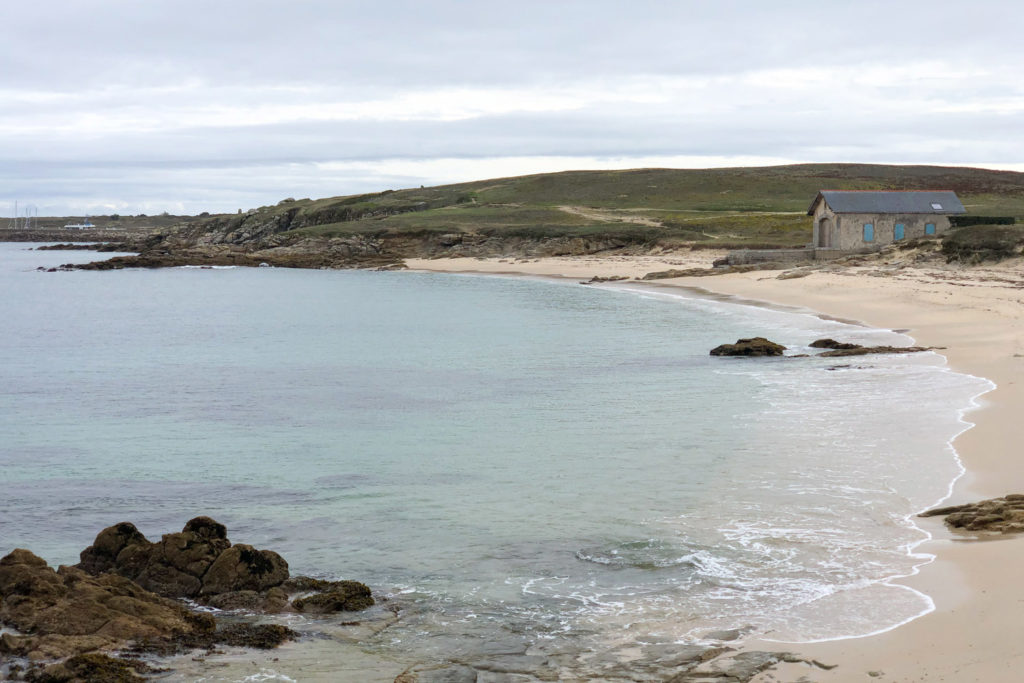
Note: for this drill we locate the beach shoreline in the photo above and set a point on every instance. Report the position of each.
(978, 320)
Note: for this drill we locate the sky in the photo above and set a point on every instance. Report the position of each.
(122, 106)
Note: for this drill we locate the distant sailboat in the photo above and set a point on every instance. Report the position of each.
(23, 223)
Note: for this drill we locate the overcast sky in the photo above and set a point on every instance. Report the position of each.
(133, 106)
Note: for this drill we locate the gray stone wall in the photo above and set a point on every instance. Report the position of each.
(744, 257)
(852, 227)
(846, 231)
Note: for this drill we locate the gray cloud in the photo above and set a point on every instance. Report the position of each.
(210, 106)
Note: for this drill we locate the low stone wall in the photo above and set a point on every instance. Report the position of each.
(830, 254)
(745, 257)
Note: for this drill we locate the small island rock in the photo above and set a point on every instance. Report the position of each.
(756, 346)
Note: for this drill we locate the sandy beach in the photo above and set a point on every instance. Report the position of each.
(978, 316)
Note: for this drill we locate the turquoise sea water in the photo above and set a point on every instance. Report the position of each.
(500, 457)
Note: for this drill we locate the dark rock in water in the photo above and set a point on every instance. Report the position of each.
(1000, 515)
(757, 346)
(832, 344)
(242, 567)
(197, 560)
(91, 668)
(865, 350)
(68, 611)
(847, 349)
(342, 596)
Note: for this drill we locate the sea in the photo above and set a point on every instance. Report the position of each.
(515, 466)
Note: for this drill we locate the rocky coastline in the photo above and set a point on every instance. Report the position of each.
(129, 598)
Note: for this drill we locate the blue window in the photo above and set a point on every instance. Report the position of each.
(897, 231)
(869, 232)
(929, 228)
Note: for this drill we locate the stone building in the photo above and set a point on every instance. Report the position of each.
(850, 220)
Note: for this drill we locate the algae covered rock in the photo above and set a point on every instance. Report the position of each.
(339, 596)
(91, 668)
(242, 567)
(198, 560)
(756, 346)
(101, 556)
(67, 612)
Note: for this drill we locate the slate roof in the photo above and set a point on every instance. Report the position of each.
(855, 201)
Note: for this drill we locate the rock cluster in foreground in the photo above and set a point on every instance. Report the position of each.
(123, 595)
(1000, 515)
(67, 611)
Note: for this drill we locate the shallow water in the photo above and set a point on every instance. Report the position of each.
(559, 467)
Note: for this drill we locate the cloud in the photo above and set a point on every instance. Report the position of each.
(241, 103)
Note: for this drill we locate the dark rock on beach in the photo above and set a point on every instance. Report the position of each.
(997, 515)
(757, 346)
(67, 612)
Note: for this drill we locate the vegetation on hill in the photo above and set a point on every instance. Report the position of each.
(979, 243)
(732, 207)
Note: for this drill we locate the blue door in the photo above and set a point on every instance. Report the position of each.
(897, 231)
(929, 228)
(869, 232)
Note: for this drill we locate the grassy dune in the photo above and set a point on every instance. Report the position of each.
(721, 207)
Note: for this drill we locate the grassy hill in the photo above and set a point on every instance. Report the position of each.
(706, 207)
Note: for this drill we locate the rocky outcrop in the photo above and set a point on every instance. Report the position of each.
(66, 612)
(120, 596)
(198, 561)
(997, 515)
(757, 346)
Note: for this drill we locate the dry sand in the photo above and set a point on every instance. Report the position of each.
(978, 315)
